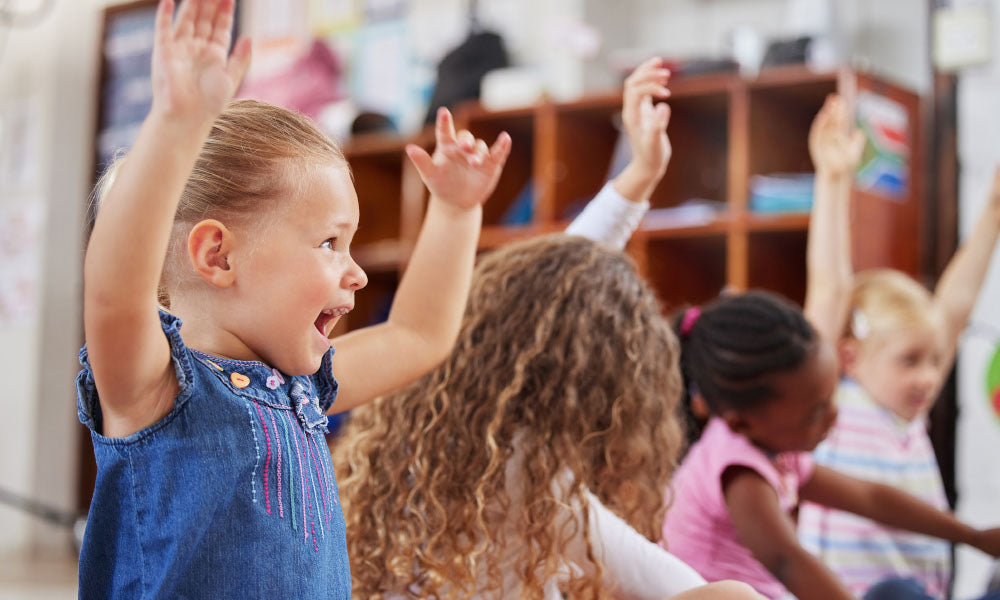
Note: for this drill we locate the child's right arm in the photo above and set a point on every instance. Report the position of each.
(768, 532)
(835, 154)
(956, 292)
(193, 78)
(607, 218)
(890, 506)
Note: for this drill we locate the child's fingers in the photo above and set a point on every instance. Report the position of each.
(647, 65)
(466, 141)
(652, 88)
(222, 29)
(663, 114)
(500, 150)
(186, 15)
(482, 152)
(444, 126)
(239, 62)
(421, 160)
(164, 25)
(205, 19)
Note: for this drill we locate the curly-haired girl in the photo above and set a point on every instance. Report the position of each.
(534, 460)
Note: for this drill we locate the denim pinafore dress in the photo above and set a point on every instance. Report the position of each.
(231, 495)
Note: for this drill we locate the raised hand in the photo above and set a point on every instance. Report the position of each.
(193, 74)
(646, 124)
(834, 146)
(463, 171)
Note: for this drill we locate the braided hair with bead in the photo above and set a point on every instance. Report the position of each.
(731, 349)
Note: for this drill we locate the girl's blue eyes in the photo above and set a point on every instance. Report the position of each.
(328, 244)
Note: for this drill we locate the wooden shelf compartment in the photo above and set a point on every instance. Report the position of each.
(683, 270)
(782, 106)
(777, 261)
(378, 179)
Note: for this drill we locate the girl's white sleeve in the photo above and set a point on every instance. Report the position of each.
(636, 568)
(609, 218)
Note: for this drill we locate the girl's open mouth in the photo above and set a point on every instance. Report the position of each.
(327, 317)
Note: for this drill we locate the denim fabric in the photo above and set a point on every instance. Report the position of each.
(231, 495)
(908, 589)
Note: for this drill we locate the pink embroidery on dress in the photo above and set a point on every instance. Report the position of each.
(277, 439)
(267, 461)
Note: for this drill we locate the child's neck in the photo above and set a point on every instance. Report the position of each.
(203, 332)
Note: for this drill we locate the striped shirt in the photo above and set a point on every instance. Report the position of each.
(870, 442)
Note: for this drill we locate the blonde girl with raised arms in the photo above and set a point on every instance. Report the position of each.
(896, 344)
(767, 370)
(531, 463)
(213, 480)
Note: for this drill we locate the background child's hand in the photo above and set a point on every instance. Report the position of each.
(645, 124)
(834, 148)
(995, 195)
(193, 74)
(988, 540)
(463, 171)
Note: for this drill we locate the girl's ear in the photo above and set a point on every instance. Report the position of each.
(209, 244)
(847, 352)
(737, 423)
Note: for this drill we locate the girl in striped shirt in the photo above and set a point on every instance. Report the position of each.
(896, 351)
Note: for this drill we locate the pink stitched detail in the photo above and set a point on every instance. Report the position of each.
(302, 480)
(267, 461)
(277, 438)
(320, 480)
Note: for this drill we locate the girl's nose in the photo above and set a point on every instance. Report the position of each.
(355, 278)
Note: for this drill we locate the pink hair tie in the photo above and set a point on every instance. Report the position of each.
(689, 319)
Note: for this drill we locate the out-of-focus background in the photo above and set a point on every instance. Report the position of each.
(923, 76)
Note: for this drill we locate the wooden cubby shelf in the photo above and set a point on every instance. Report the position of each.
(724, 130)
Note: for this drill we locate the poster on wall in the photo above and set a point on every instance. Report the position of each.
(328, 17)
(885, 163)
(126, 91)
(993, 384)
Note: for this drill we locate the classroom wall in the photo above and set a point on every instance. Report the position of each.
(978, 441)
(47, 81)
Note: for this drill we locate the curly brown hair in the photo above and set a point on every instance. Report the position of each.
(563, 346)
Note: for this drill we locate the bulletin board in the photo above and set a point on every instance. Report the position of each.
(125, 90)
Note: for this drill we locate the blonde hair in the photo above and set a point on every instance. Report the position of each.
(245, 163)
(884, 301)
(563, 351)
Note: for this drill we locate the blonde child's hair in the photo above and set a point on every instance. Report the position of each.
(886, 300)
(252, 155)
(564, 352)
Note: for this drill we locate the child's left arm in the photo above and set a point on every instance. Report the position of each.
(427, 311)
(613, 215)
(956, 292)
(894, 508)
(835, 152)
